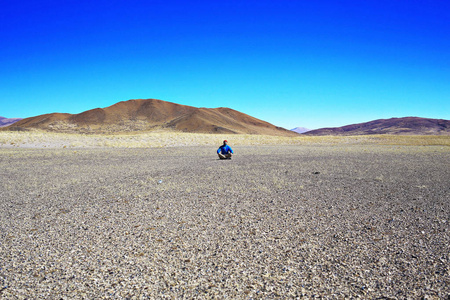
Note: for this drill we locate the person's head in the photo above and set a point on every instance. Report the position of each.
(225, 142)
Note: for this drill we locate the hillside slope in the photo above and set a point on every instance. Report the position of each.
(8, 121)
(152, 114)
(396, 126)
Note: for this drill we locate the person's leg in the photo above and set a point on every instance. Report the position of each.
(228, 155)
(221, 156)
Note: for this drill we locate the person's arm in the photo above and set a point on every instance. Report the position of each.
(231, 150)
(218, 150)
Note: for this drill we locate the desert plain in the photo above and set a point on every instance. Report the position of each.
(332, 218)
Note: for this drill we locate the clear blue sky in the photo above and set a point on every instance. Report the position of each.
(292, 63)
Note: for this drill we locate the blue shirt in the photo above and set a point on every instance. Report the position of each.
(224, 149)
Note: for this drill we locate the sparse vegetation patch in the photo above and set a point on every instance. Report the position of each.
(40, 139)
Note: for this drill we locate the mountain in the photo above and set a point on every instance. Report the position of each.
(6, 121)
(398, 126)
(152, 114)
(300, 129)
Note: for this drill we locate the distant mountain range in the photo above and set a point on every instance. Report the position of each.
(152, 114)
(8, 121)
(300, 129)
(397, 126)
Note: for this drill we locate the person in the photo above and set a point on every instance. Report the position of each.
(225, 151)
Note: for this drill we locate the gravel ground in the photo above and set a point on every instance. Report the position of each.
(275, 222)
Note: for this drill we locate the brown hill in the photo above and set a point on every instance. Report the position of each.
(152, 114)
(399, 126)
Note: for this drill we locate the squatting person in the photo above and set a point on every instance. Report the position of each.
(225, 151)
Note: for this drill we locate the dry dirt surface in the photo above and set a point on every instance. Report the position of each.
(275, 222)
